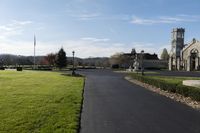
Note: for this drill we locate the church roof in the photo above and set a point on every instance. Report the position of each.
(194, 41)
(146, 56)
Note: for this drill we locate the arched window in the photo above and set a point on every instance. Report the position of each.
(194, 51)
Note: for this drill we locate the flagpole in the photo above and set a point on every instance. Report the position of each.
(34, 50)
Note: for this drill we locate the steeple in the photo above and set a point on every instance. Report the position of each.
(177, 43)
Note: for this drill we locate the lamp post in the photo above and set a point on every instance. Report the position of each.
(19, 61)
(142, 67)
(73, 70)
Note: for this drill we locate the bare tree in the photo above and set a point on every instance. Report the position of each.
(120, 59)
(51, 59)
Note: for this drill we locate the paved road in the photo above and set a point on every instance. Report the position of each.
(113, 105)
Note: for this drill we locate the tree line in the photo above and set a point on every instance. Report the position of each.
(59, 60)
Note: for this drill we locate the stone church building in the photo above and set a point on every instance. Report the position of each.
(183, 56)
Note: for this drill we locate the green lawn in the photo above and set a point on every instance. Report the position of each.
(146, 72)
(134, 72)
(171, 84)
(168, 79)
(174, 79)
(33, 102)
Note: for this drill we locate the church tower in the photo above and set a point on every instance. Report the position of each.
(177, 45)
(177, 41)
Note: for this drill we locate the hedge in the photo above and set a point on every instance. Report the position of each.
(44, 68)
(187, 91)
(19, 68)
(2, 68)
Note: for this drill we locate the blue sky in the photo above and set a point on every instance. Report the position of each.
(94, 27)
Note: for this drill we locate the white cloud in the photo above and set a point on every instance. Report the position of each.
(84, 15)
(87, 16)
(147, 47)
(93, 47)
(13, 28)
(189, 16)
(95, 39)
(164, 19)
(84, 47)
(137, 20)
(78, 12)
(21, 23)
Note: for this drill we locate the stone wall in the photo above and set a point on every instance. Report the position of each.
(155, 64)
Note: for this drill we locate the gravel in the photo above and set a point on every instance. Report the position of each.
(177, 97)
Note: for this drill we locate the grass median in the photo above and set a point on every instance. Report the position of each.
(171, 84)
(39, 102)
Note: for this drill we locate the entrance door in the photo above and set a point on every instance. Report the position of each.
(193, 61)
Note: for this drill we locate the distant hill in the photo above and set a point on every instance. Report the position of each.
(9, 59)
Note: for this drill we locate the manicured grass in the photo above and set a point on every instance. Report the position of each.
(169, 79)
(174, 79)
(139, 72)
(34, 102)
(171, 84)
(146, 72)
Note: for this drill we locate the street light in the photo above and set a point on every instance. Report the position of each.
(73, 71)
(19, 61)
(142, 68)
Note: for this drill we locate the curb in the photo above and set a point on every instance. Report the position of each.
(81, 108)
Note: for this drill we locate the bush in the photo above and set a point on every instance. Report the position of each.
(2, 68)
(152, 68)
(44, 68)
(19, 68)
(72, 69)
(192, 92)
(183, 90)
(115, 66)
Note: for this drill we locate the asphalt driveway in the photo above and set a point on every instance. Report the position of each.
(113, 105)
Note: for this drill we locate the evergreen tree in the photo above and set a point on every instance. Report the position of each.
(61, 60)
(165, 55)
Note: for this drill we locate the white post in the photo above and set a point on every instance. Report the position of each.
(170, 63)
(189, 64)
(196, 63)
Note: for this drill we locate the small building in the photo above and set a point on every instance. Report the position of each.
(183, 56)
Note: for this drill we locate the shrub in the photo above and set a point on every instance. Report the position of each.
(115, 66)
(44, 68)
(152, 68)
(183, 90)
(2, 68)
(192, 92)
(19, 68)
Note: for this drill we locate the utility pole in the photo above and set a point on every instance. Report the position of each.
(34, 52)
(142, 64)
